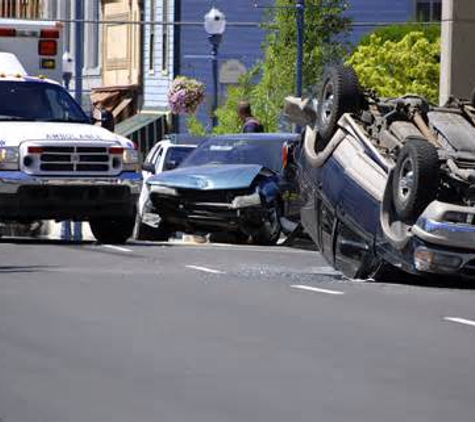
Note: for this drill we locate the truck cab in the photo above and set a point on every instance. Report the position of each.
(55, 164)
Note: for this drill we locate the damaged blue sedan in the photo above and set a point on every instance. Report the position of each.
(239, 184)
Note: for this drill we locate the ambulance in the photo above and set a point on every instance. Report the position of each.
(55, 164)
(39, 45)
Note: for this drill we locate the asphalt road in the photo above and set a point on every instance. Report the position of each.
(173, 333)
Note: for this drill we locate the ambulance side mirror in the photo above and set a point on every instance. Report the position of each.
(106, 119)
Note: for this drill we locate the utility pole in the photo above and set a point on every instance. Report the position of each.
(300, 42)
(79, 64)
(79, 48)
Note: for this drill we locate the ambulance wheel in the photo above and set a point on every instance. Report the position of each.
(116, 231)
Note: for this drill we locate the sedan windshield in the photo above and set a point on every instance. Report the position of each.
(267, 153)
(38, 101)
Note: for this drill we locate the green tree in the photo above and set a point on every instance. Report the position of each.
(324, 41)
(398, 60)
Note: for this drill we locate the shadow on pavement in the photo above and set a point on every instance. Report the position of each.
(439, 282)
(38, 241)
(13, 269)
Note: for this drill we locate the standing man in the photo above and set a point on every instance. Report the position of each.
(249, 123)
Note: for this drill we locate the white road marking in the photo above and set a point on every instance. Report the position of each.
(316, 289)
(204, 269)
(460, 321)
(117, 248)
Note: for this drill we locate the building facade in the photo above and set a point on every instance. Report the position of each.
(121, 53)
(239, 51)
(159, 52)
(64, 12)
(23, 9)
(367, 14)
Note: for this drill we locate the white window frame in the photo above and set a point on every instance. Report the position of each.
(152, 38)
(165, 58)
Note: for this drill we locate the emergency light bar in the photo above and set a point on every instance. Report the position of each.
(47, 48)
(47, 44)
(26, 33)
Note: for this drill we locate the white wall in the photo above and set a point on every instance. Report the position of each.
(458, 58)
(64, 10)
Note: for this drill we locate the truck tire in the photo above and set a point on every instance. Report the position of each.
(416, 179)
(340, 94)
(115, 231)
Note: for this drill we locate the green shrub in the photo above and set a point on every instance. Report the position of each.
(396, 33)
(195, 127)
(393, 67)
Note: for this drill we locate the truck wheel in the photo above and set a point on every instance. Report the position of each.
(416, 179)
(340, 94)
(113, 231)
(270, 230)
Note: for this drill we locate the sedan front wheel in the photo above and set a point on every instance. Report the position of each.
(269, 232)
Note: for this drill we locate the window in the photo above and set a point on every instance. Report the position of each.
(428, 10)
(38, 102)
(165, 36)
(151, 41)
(175, 156)
(92, 37)
(20, 9)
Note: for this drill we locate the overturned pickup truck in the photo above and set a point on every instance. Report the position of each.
(387, 183)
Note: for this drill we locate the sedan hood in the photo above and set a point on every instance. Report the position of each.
(208, 177)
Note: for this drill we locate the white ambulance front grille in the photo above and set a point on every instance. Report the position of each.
(70, 159)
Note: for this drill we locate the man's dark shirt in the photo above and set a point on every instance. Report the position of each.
(252, 125)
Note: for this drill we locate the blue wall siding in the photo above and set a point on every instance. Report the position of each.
(378, 11)
(242, 43)
(156, 82)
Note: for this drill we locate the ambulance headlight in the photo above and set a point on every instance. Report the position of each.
(130, 160)
(9, 158)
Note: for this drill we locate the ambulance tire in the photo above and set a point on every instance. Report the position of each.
(116, 231)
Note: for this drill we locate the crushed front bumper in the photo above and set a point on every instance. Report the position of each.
(24, 197)
(243, 213)
(12, 181)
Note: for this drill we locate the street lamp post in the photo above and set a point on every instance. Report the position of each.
(215, 25)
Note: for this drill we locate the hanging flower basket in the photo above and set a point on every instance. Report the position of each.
(185, 95)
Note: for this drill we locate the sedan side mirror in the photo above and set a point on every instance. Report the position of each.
(148, 167)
